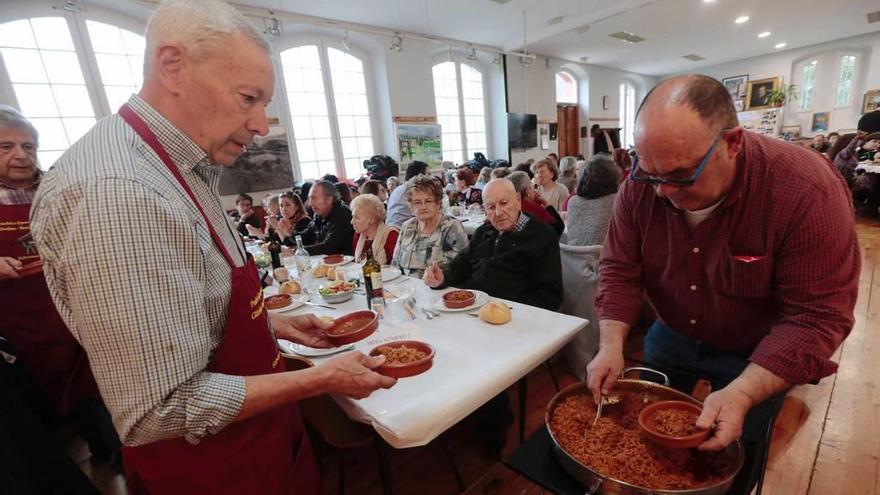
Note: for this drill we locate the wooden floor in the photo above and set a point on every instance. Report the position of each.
(826, 440)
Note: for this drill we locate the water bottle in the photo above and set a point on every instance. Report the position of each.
(303, 262)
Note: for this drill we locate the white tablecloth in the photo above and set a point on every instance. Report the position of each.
(474, 362)
(471, 223)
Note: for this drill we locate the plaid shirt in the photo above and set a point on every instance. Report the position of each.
(772, 273)
(10, 196)
(137, 278)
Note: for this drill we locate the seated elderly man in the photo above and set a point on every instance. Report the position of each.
(330, 231)
(513, 256)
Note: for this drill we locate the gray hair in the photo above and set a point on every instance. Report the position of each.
(328, 189)
(198, 25)
(521, 181)
(369, 203)
(12, 118)
(568, 166)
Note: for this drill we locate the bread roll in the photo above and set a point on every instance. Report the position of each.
(495, 313)
(290, 287)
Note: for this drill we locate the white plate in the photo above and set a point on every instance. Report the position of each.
(482, 298)
(345, 260)
(390, 273)
(303, 350)
(296, 301)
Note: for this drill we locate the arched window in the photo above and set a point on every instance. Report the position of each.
(627, 113)
(807, 73)
(42, 57)
(332, 129)
(566, 88)
(46, 78)
(462, 119)
(120, 57)
(845, 77)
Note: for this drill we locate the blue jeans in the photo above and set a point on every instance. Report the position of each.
(685, 360)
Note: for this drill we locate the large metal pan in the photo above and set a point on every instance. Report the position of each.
(647, 392)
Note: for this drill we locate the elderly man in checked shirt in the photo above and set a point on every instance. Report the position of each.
(142, 264)
(744, 244)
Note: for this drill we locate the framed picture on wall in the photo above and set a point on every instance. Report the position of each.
(737, 86)
(790, 132)
(759, 90)
(263, 167)
(554, 129)
(871, 101)
(820, 121)
(606, 103)
(417, 141)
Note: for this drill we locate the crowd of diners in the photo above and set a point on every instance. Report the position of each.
(148, 303)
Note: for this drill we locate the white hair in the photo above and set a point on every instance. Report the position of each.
(197, 25)
(10, 118)
(371, 204)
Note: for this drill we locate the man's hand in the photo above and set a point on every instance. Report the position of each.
(9, 268)
(433, 276)
(604, 370)
(302, 329)
(725, 409)
(351, 375)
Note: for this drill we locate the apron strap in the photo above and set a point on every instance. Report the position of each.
(141, 128)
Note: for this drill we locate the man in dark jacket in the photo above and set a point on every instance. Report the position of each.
(330, 231)
(512, 257)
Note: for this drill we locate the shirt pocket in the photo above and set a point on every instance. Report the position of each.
(746, 276)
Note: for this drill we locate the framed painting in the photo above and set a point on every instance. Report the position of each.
(759, 91)
(419, 141)
(737, 86)
(871, 101)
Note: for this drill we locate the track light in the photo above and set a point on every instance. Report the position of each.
(273, 28)
(396, 43)
(346, 43)
(497, 59)
(471, 54)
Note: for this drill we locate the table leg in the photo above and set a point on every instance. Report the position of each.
(384, 452)
(446, 452)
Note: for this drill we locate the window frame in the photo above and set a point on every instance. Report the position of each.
(475, 65)
(624, 119)
(76, 24)
(575, 81)
(799, 68)
(323, 43)
(853, 100)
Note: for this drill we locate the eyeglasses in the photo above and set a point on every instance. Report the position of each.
(419, 203)
(636, 174)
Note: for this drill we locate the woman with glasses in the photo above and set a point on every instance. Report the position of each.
(430, 236)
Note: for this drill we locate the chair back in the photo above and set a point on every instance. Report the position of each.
(580, 281)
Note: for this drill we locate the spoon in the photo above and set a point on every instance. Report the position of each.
(606, 400)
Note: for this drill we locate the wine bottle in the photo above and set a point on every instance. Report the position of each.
(275, 252)
(372, 275)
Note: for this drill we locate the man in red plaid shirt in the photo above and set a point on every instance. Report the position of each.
(745, 246)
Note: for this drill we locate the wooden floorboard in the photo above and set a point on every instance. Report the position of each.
(826, 440)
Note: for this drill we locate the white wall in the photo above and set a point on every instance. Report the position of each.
(781, 64)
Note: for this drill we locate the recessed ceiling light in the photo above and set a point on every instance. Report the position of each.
(708, 1)
(742, 19)
(779, 45)
(764, 34)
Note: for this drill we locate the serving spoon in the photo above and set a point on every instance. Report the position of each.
(606, 400)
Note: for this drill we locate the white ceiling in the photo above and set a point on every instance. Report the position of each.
(673, 28)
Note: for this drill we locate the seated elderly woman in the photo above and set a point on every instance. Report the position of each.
(368, 220)
(568, 173)
(431, 236)
(533, 204)
(464, 184)
(589, 210)
(553, 192)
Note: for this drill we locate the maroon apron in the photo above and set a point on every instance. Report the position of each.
(29, 321)
(267, 453)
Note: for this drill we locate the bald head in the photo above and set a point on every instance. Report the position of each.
(703, 95)
(502, 204)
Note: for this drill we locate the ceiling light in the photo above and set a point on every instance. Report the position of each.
(627, 37)
(556, 20)
(346, 43)
(273, 27)
(584, 59)
(780, 45)
(497, 59)
(764, 34)
(708, 1)
(471, 54)
(396, 43)
(741, 19)
(69, 6)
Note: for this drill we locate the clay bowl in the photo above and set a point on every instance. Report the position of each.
(32, 268)
(457, 299)
(403, 370)
(352, 327)
(333, 259)
(277, 301)
(649, 428)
